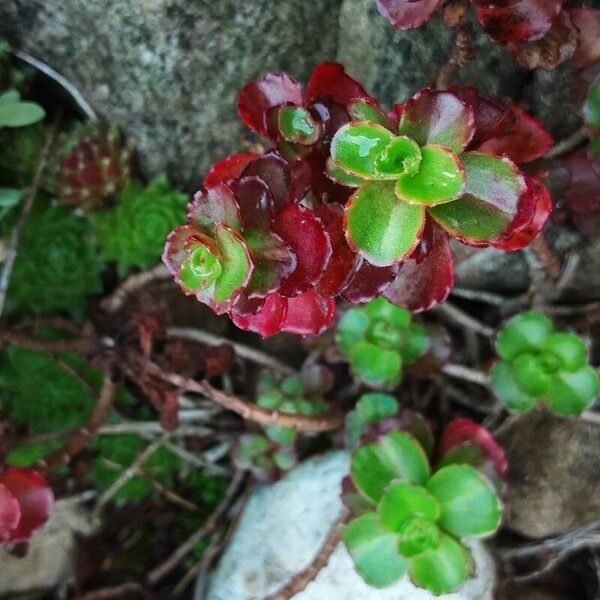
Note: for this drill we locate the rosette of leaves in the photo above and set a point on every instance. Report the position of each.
(541, 365)
(132, 233)
(93, 166)
(413, 520)
(269, 455)
(378, 339)
(57, 267)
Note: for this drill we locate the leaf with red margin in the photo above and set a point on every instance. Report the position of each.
(437, 117)
(309, 314)
(407, 14)
(490, 205)
(522, 234)
(368, 282)
(275, 172)
(35, 498)
(228, 168)
(304, 232)
(267, 321)
(10, 513)
(421, 285)
(582, 196)
(255, 202)
(524, 139)
(587, 21)
(257, 98)
(514, 21)
(343, 260)
(212, 206)
(330, 79)
(464, 431)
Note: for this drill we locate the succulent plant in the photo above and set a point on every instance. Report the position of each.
(412, 520)
(57, 267)
(26, 503)
(93, 167)
(540, 364)
(14, 112)
(379, 338)
(132, 232)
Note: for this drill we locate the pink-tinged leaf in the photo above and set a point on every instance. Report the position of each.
(324, 188)
(524, 139)
(343, 260)
(309, 314)
(332, 116)
(257, 98)
(212, 206)
(407, 14)
(422, 284)
(366, 109)
(228, 168)
(304, 232)
(301, 178)
(587, 22)
(10, 513)
(35, 498)
(437, 117)
(489, 206)
(248, 306)
(462, 431)
(330, 80)
(273, 261)
(514, 21)
(255, 202)
(275, 172)
(267, 321)
(524, 233)
(582, 197)
(368, 282)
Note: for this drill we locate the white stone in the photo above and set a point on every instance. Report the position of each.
(283, 527)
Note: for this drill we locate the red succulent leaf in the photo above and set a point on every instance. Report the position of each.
(368, 282)
(308, 314)
(257, 98)
(330, 80)
(35, 498)
(408, 14)
(301, 180)
(582, 196)
(304, 232)
(323, 187)
(514, 21)
(275, 172)
(343, 260)
(422, 284)
(228, 168)
(267, 321)
(537, 200)
(463, 431)
(438, 117)
(524, 139)
(587, 22)
(255, 202)
(213, 206)
(332, 116)
(10, 513)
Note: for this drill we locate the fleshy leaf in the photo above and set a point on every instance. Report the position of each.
(529, 374)
(368, 281)
(356, 147)
(469, 505)
(254, 200)
(527, 332)
(568, 348)
(490, 202)
(228, 168)
(440, 178)
(329, 79)
(401, 156)
(277, 174)
(440, 118)
(402, 502)
(308, 314)
(444, 569)
(257, 98)
(571, 393)
(380, 226)
(236, 263)
(338, 175)
(352, 329)
(395, 456)
(297, 125)
(213, 206)
(267, 321)
(376, 366)
(407, 14)
(10, 513)
(506, 389)
(374, 551)
(366, 109)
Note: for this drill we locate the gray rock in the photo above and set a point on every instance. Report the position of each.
(284, 525)
(168, 71)
(554, 476)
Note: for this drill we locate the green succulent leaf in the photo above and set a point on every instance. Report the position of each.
(528, 373)
(527, 332)
(401, 156)
(338, 174)
(376, 366)
(439, 179)
(381, 227)
(572, 392)
(235, 261)
(395, 456)
(505, 387)
(416, 343)
(15, 113)
(490, 201)
(402, 502)
(469, 505)
(356, 146)
(569, 350)
(443, 569)
(374, 407)
(375, 551)
(363, 110)
(381, 309)
(297, 125)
